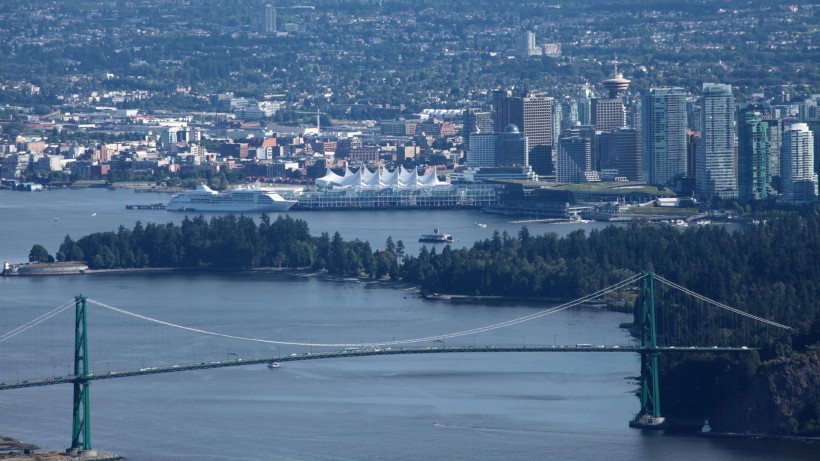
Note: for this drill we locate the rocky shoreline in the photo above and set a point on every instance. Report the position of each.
(766, 437)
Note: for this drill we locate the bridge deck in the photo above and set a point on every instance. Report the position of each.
(363, 352)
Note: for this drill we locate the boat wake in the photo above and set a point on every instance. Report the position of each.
(522, 431)
(497, 429)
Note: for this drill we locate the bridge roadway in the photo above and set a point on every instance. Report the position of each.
(361, 352)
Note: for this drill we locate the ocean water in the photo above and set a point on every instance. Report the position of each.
(516, 406)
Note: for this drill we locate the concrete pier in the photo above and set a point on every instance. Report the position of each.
(13, 450)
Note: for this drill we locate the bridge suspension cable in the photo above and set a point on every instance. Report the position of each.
(720, 305)
(12, 333)
(472, 331)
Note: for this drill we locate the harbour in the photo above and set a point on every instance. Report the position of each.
(464, 406)
(361, 407)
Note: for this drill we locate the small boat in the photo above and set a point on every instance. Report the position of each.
(273, 365)
(56, 219)
(480, 225)
(93, 214)
(436, 237)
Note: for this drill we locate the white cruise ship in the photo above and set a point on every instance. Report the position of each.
(250, 198)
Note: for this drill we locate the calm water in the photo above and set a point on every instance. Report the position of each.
(47, 217)
(457, 406)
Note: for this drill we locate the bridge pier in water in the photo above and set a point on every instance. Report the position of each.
(81, 425)
(649, 416)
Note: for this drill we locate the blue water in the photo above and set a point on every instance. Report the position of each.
(459, 406)
(47, 217)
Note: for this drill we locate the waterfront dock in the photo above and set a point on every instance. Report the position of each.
(13, 450)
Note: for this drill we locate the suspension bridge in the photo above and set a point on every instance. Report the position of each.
(681, 327)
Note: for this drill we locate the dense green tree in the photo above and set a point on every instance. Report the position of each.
(39, 254)
(70, 251)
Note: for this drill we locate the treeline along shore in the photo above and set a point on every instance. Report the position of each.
(771, 270)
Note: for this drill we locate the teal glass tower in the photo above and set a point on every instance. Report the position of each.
(753, 172)
(663, 135)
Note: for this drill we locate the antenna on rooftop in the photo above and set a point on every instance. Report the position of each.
(318, 119)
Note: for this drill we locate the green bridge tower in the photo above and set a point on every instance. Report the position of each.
(81, 428)
(650, 415)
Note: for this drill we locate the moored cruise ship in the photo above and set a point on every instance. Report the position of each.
(238, 200)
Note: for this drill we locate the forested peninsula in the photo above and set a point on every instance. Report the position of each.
(771, 270)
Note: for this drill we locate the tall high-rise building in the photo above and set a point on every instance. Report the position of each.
(269, 19)
(498, 149)
(693, 113)
(715, 172)
(618, 150)
(570, 113)
(532, 114)
(574, 158)
(557, 119)
(476, 121)
(809, 110)
(482, 150)
(528, 46)
(588, 132)
(501, 109)
(774, 130)
(692, 146)
(663, 135)
(628, 144)
(775, 142)
(797, 177)
(607, 151)
(753, 174)
(511, 147)
(608, 114)
(583, 102)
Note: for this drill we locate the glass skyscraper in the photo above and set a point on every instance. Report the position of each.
(269, 20)
(663, 135)
(715, 174)
(753, 172)
(797, 176)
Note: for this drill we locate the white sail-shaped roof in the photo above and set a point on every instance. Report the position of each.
(349, 172)
(381, 178)
(430, 179)
(330, 178)
(388, 178)
(352, 179)
(407, 178)
(369, 178)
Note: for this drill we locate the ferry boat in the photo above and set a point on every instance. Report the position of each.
(251, 198)
(436, 237)
(152, 206)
